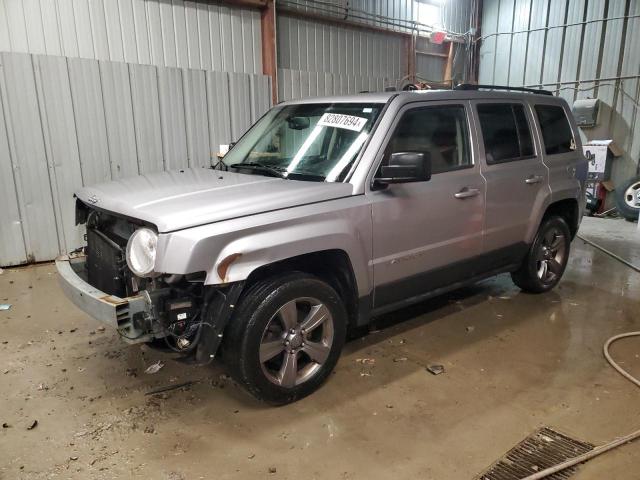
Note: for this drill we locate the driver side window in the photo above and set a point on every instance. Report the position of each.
(440, 131)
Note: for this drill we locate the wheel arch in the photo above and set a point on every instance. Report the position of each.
(569, 210)
(332, 266)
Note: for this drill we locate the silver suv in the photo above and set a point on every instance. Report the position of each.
(326, 213)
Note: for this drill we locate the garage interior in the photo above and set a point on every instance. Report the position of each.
(99, 90)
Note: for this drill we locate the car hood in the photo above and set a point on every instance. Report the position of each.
(186, 198)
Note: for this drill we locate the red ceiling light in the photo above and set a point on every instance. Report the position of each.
(438, 37)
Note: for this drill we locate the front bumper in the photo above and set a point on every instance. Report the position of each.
(116, 312)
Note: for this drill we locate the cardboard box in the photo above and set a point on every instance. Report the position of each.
(603, 152)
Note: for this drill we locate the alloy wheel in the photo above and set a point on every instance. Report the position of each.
(632, 195)
(551, 255)
(296, 342)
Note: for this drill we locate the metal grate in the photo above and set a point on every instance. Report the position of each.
(542, 449)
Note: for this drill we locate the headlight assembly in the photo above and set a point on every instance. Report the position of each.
(141, 252)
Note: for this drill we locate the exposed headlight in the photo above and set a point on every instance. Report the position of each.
(141, 251)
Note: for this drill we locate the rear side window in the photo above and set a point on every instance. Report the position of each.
(505, 131)
(440, 131)
(556, 131)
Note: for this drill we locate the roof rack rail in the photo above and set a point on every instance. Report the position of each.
(469, 86)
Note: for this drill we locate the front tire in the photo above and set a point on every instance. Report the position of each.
(285, 337)
(542, 268)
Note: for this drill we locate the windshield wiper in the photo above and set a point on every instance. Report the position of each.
(273, 171)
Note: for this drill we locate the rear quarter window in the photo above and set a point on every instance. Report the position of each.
(556, 130)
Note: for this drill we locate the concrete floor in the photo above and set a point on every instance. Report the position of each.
(513, 362)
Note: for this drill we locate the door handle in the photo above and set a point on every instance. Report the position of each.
(467, 192)
(533, 179)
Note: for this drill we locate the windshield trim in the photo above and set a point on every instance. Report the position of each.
(374, 127)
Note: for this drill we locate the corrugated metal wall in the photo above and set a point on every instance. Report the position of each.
(67, 122)
(319, 47)
(564, 46)
(315, 58)
(394, 15)
(431, 60)
(401, 11)
(293, 84)
(167, 33)
(456, 15)
(430, 68)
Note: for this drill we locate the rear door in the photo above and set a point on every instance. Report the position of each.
(427, 234)
(561, 149)
(517, 180)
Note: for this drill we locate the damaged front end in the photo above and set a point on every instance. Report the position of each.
(176, 312)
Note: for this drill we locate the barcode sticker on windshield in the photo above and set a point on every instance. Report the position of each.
(339, 120)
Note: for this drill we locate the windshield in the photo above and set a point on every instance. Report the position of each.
(308, 141)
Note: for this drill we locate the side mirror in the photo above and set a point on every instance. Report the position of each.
(405, 167)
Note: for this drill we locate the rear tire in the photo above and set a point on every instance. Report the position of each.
(542, 268)
(285, 337)
(628, 195)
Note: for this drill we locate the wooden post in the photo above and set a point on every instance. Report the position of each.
(268, 29)
(410, 44)
(449, 65)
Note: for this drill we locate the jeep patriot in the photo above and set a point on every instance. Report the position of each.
(326, 213)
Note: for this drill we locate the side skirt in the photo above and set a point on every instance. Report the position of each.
(439, 291)
(428, 284)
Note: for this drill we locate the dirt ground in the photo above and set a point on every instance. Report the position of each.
(513, 362)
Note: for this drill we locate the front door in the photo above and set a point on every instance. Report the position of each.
(426, 234)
